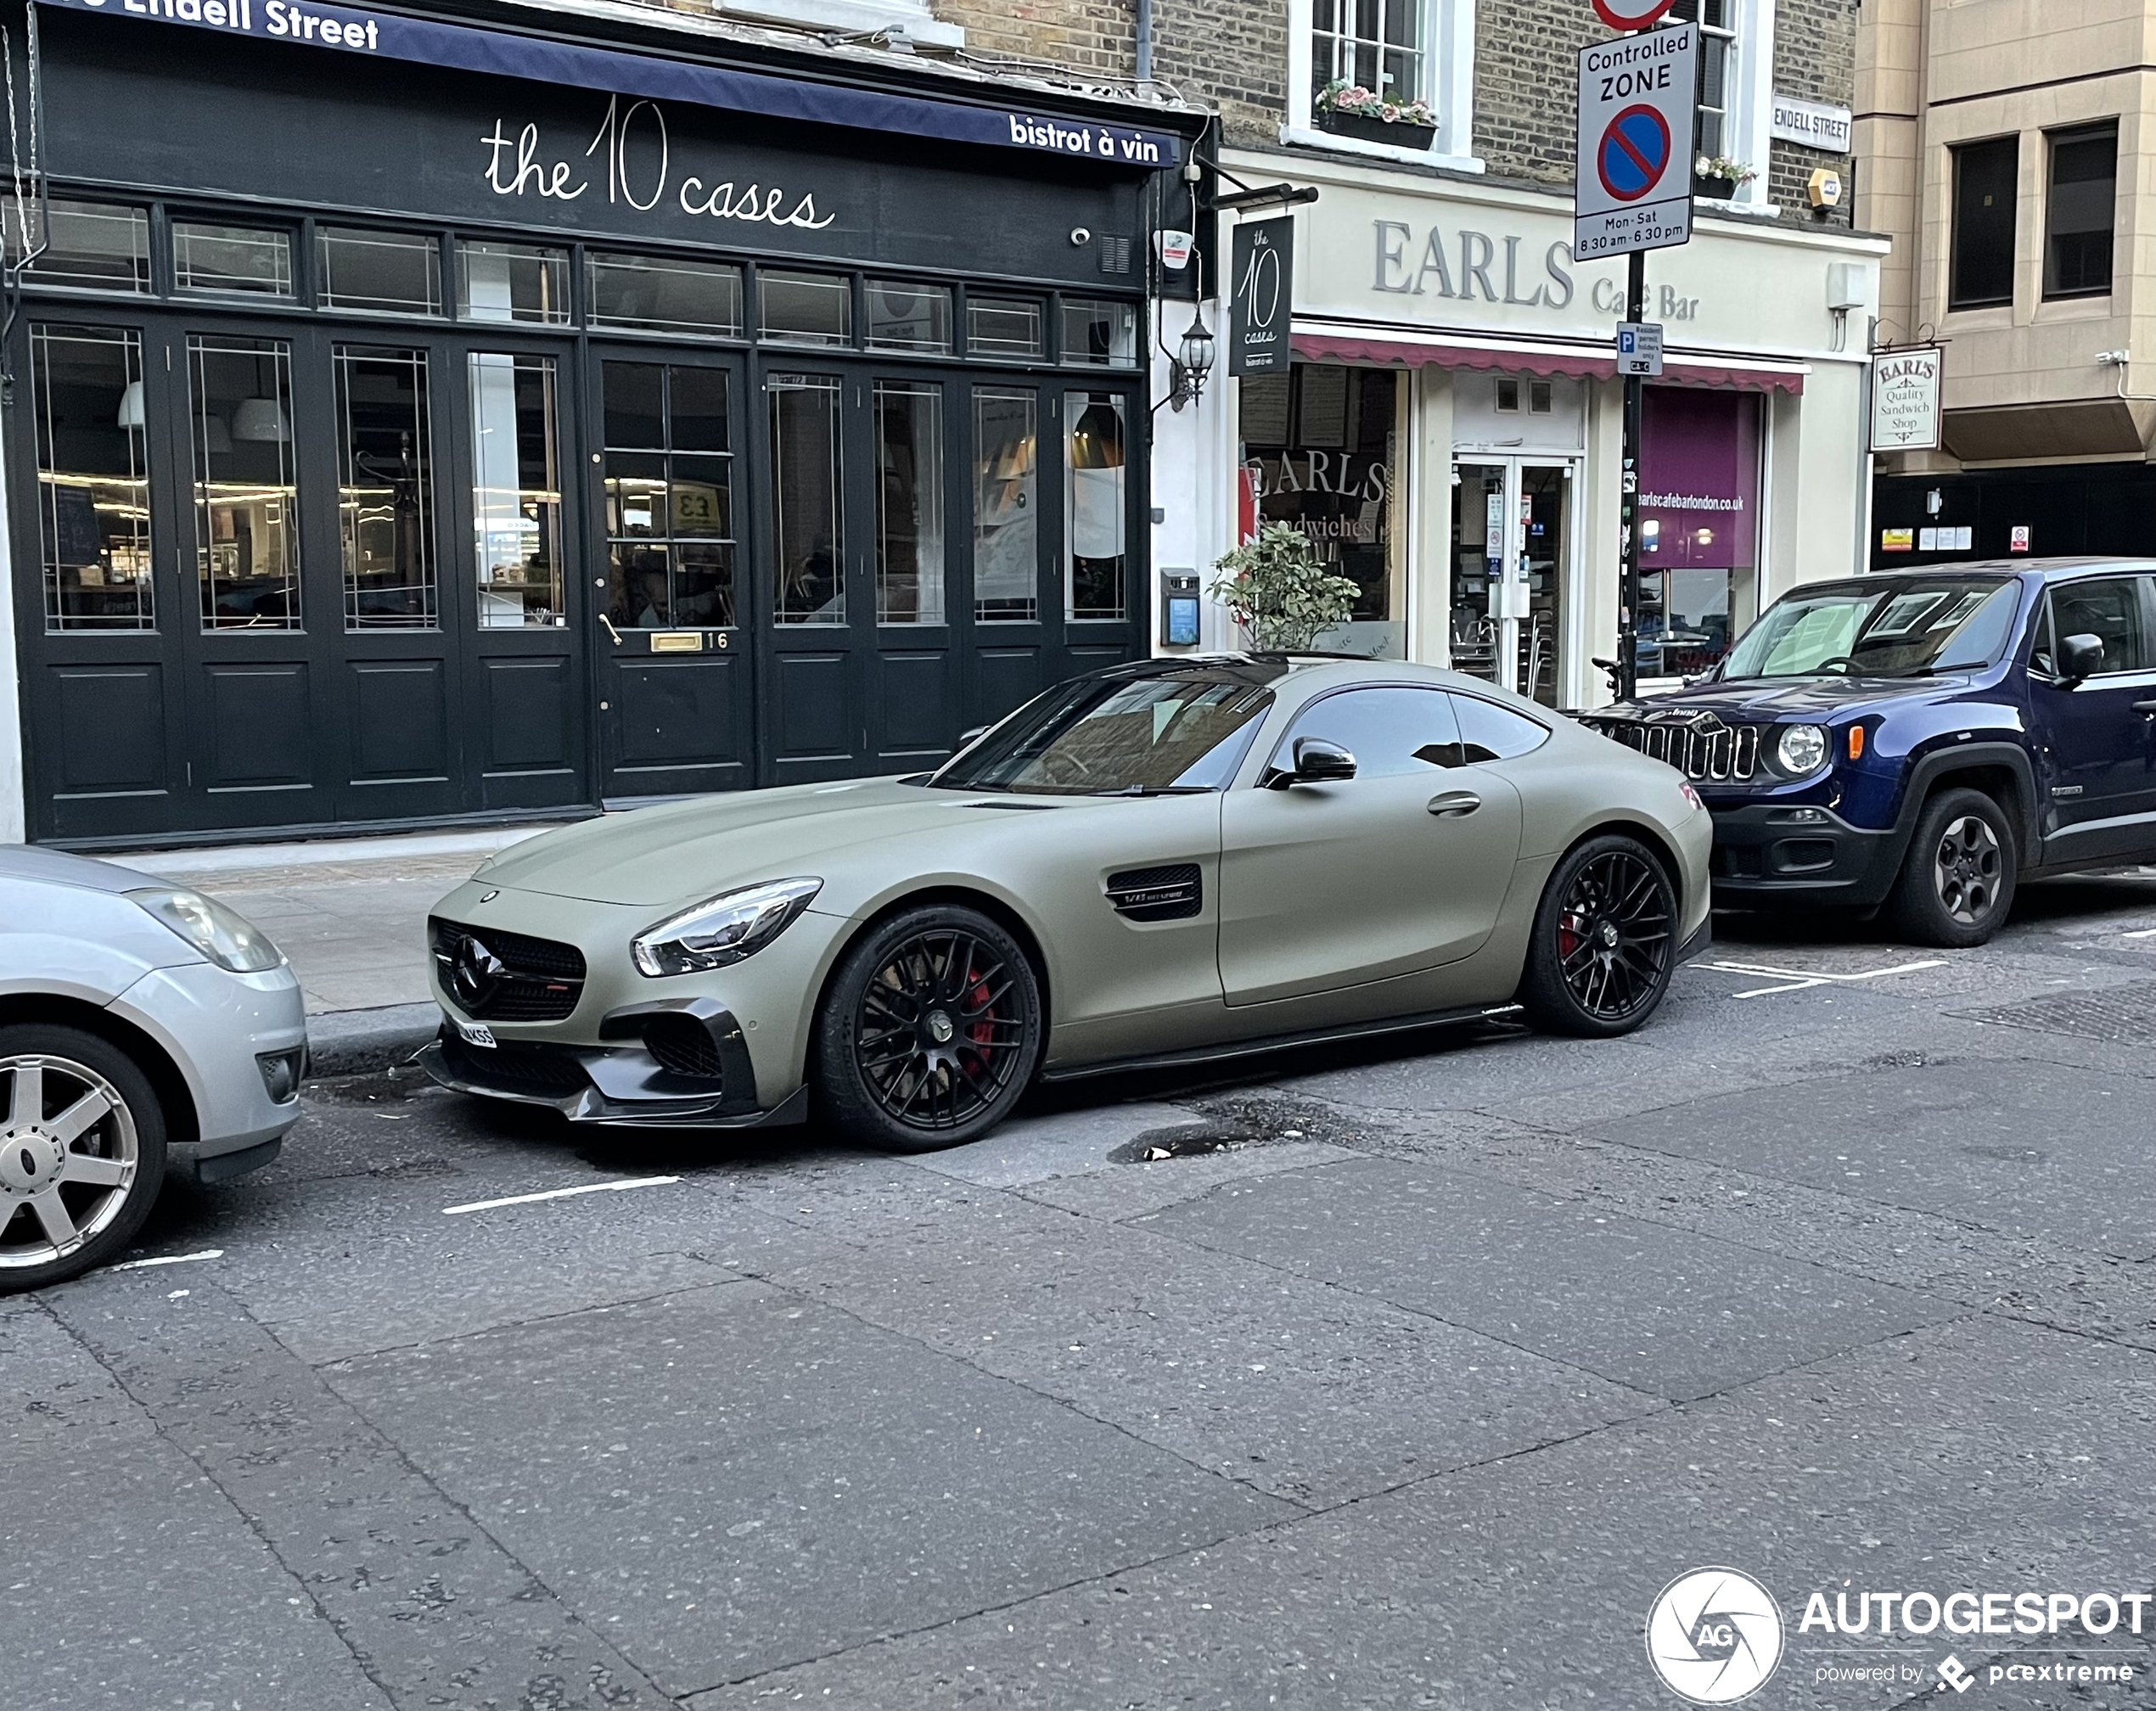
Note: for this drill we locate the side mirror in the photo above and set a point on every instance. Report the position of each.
(968, 739)
(2079, 657)
(1319, 762)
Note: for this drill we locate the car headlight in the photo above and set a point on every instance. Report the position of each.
(724, 930)
(1802, 749)
(227, 939)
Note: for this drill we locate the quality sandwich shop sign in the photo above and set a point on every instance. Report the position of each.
(1906, 399)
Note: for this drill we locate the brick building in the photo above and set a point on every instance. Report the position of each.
(1450, 430)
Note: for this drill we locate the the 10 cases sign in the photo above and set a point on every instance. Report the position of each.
(1262, 268)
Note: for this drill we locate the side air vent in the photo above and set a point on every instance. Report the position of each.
(1157, 894)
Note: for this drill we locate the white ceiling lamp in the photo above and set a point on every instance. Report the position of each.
(260, 419)
(131, 405)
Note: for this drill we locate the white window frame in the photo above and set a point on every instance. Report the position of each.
(1750, 90)
(1448, 68)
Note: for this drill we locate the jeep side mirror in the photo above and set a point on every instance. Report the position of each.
(1319, 762)
(2079, 657)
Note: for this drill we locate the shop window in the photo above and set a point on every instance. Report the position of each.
(94, 245)
(2081, 211)
(247, 551)
(516, 492)
(92, 478)
(806, 308)
(669, 496)
(909, 502)
(661, 294)
(1096, 519)
(1318, 454)
(1004, 327)
(809, 573)
(1699, 485)
(387, 272)
(1006, 536)
(385, 488)
(909, 317)
(1980, 269)
(231, 258)
(512, 282)
(1098, 334)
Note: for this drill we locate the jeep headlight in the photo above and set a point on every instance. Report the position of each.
(1802, 749)
(728, 927)
(226, 938)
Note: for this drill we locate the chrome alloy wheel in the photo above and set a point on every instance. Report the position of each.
(69, 1155)
(1966, 869)
(936, 1039)
(1614, 935)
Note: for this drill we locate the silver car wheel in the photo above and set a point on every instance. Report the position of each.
(1966, 870)
(68, 1158)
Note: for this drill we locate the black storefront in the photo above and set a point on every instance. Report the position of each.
(394, 442)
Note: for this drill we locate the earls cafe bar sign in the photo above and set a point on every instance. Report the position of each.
(390, 35)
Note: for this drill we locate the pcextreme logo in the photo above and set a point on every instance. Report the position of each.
(1714, 1636)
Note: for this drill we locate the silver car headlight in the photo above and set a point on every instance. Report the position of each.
(1802, 749)
(726, 929)
(227, 939)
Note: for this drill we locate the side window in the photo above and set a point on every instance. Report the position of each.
(1490, 732)
(1389, 732)
(2111, 611)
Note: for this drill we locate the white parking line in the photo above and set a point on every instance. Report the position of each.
(561, 1194)
(1798, 980)
(168, 1259)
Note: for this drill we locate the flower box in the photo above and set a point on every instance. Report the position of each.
(1721, 189)
(1397, 134)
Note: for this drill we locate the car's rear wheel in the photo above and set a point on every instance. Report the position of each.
(82, 1152)
(929, 1031)
(1605, 941)
(1957, 879)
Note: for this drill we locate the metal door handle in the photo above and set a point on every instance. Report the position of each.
(2145, 706)
(1454, 804)
(610, 630)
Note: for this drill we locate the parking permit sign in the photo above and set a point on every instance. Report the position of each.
(1634, 165)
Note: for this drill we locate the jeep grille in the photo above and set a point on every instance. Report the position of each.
(1715, 754)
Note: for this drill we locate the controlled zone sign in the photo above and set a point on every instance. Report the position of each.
(1634, 164)
(1631, 14)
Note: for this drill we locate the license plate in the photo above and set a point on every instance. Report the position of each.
(476, 1034)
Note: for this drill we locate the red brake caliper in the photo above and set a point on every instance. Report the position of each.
(983, 1030)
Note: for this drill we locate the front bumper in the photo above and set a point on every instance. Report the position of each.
(1766, 852)
(624, 1083)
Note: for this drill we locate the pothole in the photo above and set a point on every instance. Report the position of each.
(1159, 1146)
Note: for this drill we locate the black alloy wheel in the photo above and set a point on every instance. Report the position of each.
(1957, 880)
(929, 1031)
(1604, 942)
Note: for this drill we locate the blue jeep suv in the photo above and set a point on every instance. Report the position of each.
(1919, 740)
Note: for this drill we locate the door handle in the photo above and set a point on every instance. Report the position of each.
(610, 630)
(2145, 706)
(1455, 804)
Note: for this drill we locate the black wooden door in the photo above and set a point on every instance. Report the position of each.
(677, 705)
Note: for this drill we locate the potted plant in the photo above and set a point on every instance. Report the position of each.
(1280, 594)
(1347, 110)
(1719, 177)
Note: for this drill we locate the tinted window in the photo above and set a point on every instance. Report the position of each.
(1981, 268)
(2109, 610)
(1490, 732)
(1389, 732)
(2080, 212)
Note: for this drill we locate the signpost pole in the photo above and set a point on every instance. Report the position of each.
(1628, 500)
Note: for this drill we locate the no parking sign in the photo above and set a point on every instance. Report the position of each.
(1634, 170)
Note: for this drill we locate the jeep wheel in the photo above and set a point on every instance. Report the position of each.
(1957, 880)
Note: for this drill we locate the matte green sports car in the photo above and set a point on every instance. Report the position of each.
(1163, 862)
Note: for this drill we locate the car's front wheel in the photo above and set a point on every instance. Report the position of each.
(1605, 941)
(82, 1152)
(1957, 879)
(929, 1031)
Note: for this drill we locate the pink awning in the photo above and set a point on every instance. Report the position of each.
(1579, 363)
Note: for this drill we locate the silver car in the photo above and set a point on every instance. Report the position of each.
(144, 1030)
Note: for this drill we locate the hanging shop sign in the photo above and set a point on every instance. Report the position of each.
(1906, 399)
(1262, 309)
(352, 32)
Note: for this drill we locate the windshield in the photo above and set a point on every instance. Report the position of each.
(1907, 628)
(1120, 736)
